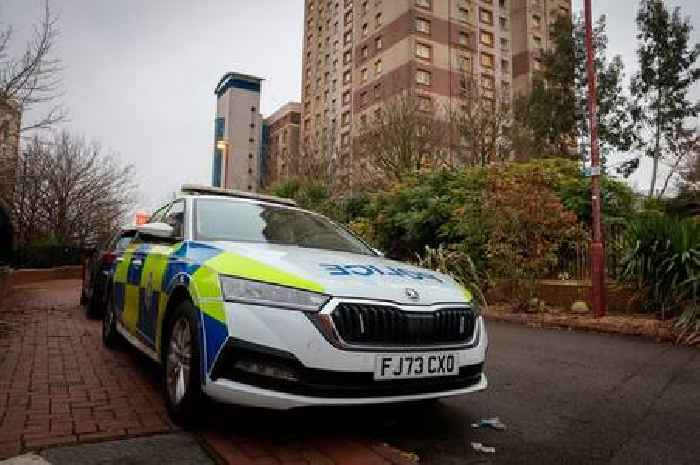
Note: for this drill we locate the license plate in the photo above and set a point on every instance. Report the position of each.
(403, 366)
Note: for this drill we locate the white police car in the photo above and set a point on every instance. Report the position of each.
(250, 300)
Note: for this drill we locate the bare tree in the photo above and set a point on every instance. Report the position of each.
(406, 135)
(483, 124)
(690, 172)
(9, 146)
(33, 79)
(317, 159)
(70, 192)
(682, 147)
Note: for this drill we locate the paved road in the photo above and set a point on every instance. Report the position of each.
(566, 397)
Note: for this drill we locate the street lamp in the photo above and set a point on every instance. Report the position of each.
(223, 145)
(598, 286)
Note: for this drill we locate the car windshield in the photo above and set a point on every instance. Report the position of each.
(231, 220)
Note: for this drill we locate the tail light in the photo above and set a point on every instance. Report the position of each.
(108, 258)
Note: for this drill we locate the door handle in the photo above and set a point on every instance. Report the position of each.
(137, 262)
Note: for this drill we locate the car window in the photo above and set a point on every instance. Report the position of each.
(231, 220)
(123, 241)
(176, 217)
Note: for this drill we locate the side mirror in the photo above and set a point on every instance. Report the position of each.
(159, 230)
(378, 252)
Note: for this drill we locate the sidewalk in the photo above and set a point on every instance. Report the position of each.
(58, 384)
(630, 325)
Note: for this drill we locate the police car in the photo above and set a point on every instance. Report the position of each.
(248, 299)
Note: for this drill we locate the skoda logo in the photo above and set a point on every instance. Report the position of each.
(412, 294)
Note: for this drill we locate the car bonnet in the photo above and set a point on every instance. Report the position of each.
(339, 274)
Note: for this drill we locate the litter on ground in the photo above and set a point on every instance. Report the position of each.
(479, 447)
(494, 423)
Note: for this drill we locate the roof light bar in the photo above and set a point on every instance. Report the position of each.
(209, 190)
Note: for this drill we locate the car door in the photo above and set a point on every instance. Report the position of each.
(127, 279)
(152, 295)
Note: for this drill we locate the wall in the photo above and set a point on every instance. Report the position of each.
(5, 281)
(558, 293)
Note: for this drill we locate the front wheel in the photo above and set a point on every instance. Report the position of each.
(182, 381)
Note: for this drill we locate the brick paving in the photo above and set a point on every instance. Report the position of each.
(60, 386)
(323, 449)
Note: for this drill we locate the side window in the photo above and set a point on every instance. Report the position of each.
(176, 217)
(111, 243)
(124, 241)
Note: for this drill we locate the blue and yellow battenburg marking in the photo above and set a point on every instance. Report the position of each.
(149, 273)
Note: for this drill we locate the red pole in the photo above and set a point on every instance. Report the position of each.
(598, 286)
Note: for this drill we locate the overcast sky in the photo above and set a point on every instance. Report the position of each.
(139, 74)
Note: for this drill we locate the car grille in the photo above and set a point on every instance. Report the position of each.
(389, 325)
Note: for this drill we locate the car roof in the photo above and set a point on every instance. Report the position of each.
(209, 191)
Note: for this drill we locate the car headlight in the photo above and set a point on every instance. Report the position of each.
(257, 293)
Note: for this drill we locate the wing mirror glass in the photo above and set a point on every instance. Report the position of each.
(159, 230)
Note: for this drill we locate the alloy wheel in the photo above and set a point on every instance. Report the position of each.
(178, 361)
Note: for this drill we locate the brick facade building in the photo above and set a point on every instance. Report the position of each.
(282, 143)
(357, 54)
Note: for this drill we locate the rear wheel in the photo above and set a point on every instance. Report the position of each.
(95, 305)
(83, 297)
(181, 375)
(110, 336)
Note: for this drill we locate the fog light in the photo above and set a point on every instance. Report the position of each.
(263, 369)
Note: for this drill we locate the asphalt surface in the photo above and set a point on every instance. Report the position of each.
(566, 398)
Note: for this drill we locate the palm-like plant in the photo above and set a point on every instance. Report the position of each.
(663, 263)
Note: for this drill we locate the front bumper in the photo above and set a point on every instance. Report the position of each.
(324, 373)
(234, 392)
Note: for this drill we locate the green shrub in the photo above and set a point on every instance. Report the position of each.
(432, 208)
(564, 177)
(459, 265)
(507, 220)
(663, 262)
(689, 325)
(315, 196)
(529, 229)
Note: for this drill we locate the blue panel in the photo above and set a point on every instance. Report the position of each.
(215, 334)
(187, 259)
(219, 128)
(118, 298)
(216, 169)
(148, 313)
(133, 275)
(238, 84)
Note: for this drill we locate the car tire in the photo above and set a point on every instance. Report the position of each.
(95, 305)
(83, 297)
(182, 386)
(110, 335)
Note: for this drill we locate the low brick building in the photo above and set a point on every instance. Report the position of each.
(282, 142)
